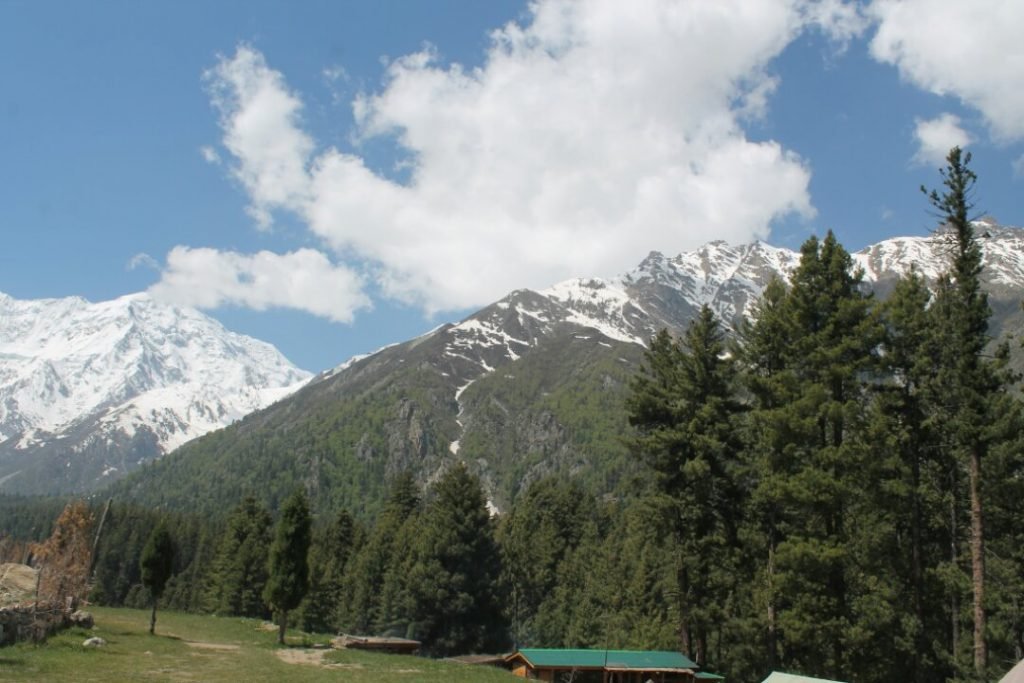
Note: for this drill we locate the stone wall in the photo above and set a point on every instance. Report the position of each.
(31, 622)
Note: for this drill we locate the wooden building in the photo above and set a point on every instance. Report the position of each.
(607, 666)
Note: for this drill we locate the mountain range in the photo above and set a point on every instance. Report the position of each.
(88, 391)
(529, 386)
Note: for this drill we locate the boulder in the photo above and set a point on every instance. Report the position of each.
(94, 642)
(82, 619)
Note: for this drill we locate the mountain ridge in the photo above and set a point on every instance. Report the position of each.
(528, 386)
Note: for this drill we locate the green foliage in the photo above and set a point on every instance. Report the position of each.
(288, 569)
(333, 546)
(157, 560)
(683, 406)
(156, 564)
(239, 572)
(453, 579)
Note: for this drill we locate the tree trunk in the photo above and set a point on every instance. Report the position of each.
(682, 585)
(978, 564)
(954, 603)
(773, 637)
(282, 626)
(916, 568)
(152, 618)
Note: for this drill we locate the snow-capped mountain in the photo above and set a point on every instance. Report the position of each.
(91, 390)
(530, 386)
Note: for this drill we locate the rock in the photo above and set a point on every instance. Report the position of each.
(82, 619)
(94, 642)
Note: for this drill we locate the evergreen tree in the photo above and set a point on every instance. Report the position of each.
(156, 563)
(972, 379)
(684, 409)
(332, 548)
(768, 378)
(807, 454)
(912, 472)
(455, 580)
(546, 523)
(361, 609)
(240, 569)
(288, 577)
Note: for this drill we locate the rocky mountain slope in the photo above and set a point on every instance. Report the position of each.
(88, 391)
(531, 385)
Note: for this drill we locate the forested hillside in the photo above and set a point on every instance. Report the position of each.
(835, 490)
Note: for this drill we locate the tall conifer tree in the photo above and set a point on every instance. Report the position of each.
(288, 577)
(973, 379)
(455, 576)
(684, 408)
(240, 569)
(156, 563)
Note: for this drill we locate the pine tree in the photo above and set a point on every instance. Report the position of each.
(329, 557)
(289, 560)
(765, 355)
(806, 454)
(455, 580)
(973, 380)
(545, 525)
(240, 569)
(684, 409)
(361, 609)
(156, 563)
(912, 470)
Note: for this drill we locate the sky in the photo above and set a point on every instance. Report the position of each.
(334, 176)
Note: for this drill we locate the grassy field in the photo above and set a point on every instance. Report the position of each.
(189, 647)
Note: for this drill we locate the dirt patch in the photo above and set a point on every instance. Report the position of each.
(17, 583)
(218, 647)
(301, 656)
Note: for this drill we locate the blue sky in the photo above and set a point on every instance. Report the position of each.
(336, 176)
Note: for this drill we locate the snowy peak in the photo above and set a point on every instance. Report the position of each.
(931, 255)
(113, 369)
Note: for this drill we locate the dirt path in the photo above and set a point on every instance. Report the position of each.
(306, 656)
(217, 647)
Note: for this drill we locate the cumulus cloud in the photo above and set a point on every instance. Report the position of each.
(935, 137)
(970, 50)
(305, 280)
(260, 118)
(590, 134)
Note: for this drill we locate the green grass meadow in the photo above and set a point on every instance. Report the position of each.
(207, 649)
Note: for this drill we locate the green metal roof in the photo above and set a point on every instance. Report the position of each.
(612, 659)
(778, 677)
(708, 676)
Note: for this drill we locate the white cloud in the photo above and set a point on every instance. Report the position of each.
(971, 50)
(260, 120)
(210, 155)
(304, 279)
(935, 137)
(142, 260)
(591, 133)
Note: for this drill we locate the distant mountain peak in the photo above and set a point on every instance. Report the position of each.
(79, 377)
